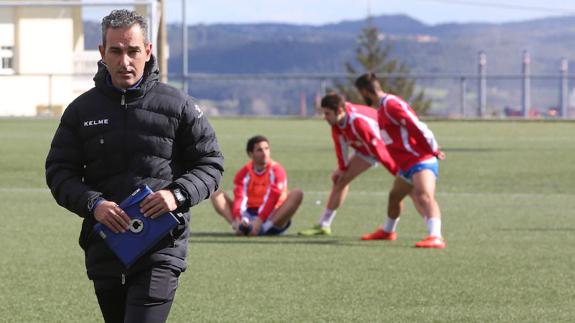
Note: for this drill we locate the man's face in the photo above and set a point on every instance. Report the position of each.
(125, 55)
(331, 116)
(261, 153)
(366, 97)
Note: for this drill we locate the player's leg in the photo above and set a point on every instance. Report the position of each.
(399, 191)
(424, 198)
(223, 205)
(282, 216)
(357, 165)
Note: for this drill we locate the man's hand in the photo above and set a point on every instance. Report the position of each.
(111, 215)
(336, 175)
(158, 203)
(440, 155)
(256, 225)
(236, 226)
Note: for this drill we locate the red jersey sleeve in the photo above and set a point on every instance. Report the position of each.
(337, 143)
(278, 184)
(403, 115)
(374, 145)
(240, 194)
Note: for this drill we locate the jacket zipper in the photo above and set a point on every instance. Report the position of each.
(123, 102)
(125, 124)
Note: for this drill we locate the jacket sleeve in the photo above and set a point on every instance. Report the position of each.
(64, 168)
(202, 160)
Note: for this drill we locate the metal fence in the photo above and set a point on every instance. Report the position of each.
(451, 95)
(478, 95)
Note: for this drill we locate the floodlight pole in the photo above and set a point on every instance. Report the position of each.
(162, 42)
(184, 48)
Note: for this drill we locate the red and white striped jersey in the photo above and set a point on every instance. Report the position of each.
(263, 191)
(409, 141)
(360, 131)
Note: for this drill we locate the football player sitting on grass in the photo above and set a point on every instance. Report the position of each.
(262, 204)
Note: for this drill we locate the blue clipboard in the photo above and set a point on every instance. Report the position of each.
(143, 233)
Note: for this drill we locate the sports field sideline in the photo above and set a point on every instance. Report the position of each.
(506, 191)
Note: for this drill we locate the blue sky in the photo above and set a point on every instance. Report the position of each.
(317, 12)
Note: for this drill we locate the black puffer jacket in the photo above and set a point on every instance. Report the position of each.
(108, 143)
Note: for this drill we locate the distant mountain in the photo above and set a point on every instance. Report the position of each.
(448, 48)
(443, 48)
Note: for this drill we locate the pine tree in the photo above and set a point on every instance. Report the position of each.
(372, 57)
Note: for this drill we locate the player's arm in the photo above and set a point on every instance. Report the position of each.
(374, 145)
(339, 146)
(274, 192)
(416, 128)
(240, 194)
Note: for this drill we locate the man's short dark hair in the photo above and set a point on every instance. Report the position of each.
(123, 18)
(253, 141)
(332, 101)
(366, 82)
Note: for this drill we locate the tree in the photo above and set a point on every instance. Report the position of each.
(372, 57)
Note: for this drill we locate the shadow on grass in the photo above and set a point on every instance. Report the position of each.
(293, 239)
(537, 229)
(471, 150)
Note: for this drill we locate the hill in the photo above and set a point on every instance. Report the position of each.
(443, 48)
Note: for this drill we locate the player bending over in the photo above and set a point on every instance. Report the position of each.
(352, 126)
(414, 148)
(262, 204)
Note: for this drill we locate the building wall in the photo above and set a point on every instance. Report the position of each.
(44, 41)
(6, 27)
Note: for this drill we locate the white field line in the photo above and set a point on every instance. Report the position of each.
(352, 192)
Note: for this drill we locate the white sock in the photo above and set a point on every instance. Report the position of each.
(434, 227)
(327, 218)
(390, 225)
(266, 226)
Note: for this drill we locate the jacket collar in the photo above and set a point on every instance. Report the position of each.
(151, 76)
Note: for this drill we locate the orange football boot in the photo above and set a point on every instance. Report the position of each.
(379, 234)
(431, 242)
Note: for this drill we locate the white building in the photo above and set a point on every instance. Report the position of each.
(43, 64)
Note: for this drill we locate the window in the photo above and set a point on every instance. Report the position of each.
(6, 59)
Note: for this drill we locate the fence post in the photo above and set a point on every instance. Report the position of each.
(50, 91)
(563, 88)
(482, 94)
(302, 104)
(525, 90)
(463, 89)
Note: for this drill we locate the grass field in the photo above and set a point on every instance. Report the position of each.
(507, 194)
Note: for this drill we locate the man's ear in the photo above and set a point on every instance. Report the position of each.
(148, 47)
(102, 50)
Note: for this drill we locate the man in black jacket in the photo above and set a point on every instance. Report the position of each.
(130, 130)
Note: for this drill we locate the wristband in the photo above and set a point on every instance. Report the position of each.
(95, 204)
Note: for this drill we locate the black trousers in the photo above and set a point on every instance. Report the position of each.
(145, 297)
